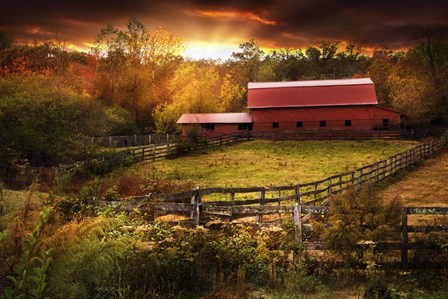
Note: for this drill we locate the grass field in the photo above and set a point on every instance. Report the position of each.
(266, 163)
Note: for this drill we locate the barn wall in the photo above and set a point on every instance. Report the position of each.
(220, 129)
(362, 117)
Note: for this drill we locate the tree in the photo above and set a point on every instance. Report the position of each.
(47, 58)
(381, 65)
(231, 95)
(130, 65)
(194, 88)
(45, 123)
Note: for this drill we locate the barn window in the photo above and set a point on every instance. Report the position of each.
(323, 123)
(386, 123)
(245, 127)
(299, 124)
(348, 123)
(208, 127)
(275, 125)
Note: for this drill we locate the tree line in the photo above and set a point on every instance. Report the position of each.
(134, 80)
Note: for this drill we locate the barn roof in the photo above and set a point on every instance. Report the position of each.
(215, 118)
(311, 93)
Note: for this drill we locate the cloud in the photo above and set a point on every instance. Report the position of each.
(275, 23)
(232, 14)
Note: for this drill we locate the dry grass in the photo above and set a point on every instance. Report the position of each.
(425, 186)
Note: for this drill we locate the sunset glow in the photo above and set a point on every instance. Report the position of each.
(214, 29)
(236, 15)
(201, 49)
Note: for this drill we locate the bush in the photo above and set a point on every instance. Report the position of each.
(193, 141)
(45, 122)
(358, 221)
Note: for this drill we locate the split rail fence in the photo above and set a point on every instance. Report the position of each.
(326, 134)
(232, 203)
(111, 161)
(153, 152)
(135, 140)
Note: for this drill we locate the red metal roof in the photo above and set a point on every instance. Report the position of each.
(215, 118)
(312, 93)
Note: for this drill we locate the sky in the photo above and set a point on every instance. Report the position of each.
(215, 28)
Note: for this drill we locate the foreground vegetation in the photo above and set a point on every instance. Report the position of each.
(266, 163)
(66, 247)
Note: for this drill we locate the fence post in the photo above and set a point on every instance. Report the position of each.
(404, 245)
(135, 140)
(195, 213)
(153, 152)
(167, 149)
(260, 216)
(297, 195)
(143, 154)
(360, 178)
(298, 223)
(279, 194)
(149, 139)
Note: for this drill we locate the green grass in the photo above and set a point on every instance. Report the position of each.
(268, 163)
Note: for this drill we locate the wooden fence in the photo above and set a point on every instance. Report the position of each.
(326, 134)
(232, 203)
(135, 140)
(406, 229)
(404, 245)
(153, 152)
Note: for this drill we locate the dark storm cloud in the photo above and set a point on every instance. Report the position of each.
(274, 23)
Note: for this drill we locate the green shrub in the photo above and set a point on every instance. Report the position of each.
(191, 142)
(358, 221)
(30, 280)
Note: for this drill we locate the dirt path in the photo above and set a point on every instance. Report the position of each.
(425, 186)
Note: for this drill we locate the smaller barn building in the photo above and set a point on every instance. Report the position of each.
(216, 123)
(317, 105)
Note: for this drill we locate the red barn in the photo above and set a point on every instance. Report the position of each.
(348, 104)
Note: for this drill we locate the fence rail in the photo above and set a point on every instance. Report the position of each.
(135, 140)
(296, 201)
(153, 152)
(326, 134)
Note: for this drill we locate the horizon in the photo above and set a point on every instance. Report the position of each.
(214, 30)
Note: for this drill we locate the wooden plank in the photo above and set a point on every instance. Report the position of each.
(427, 210)
(218, 211)
(207, 191)
(176, 196)
(315, 209)
(254, 210)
